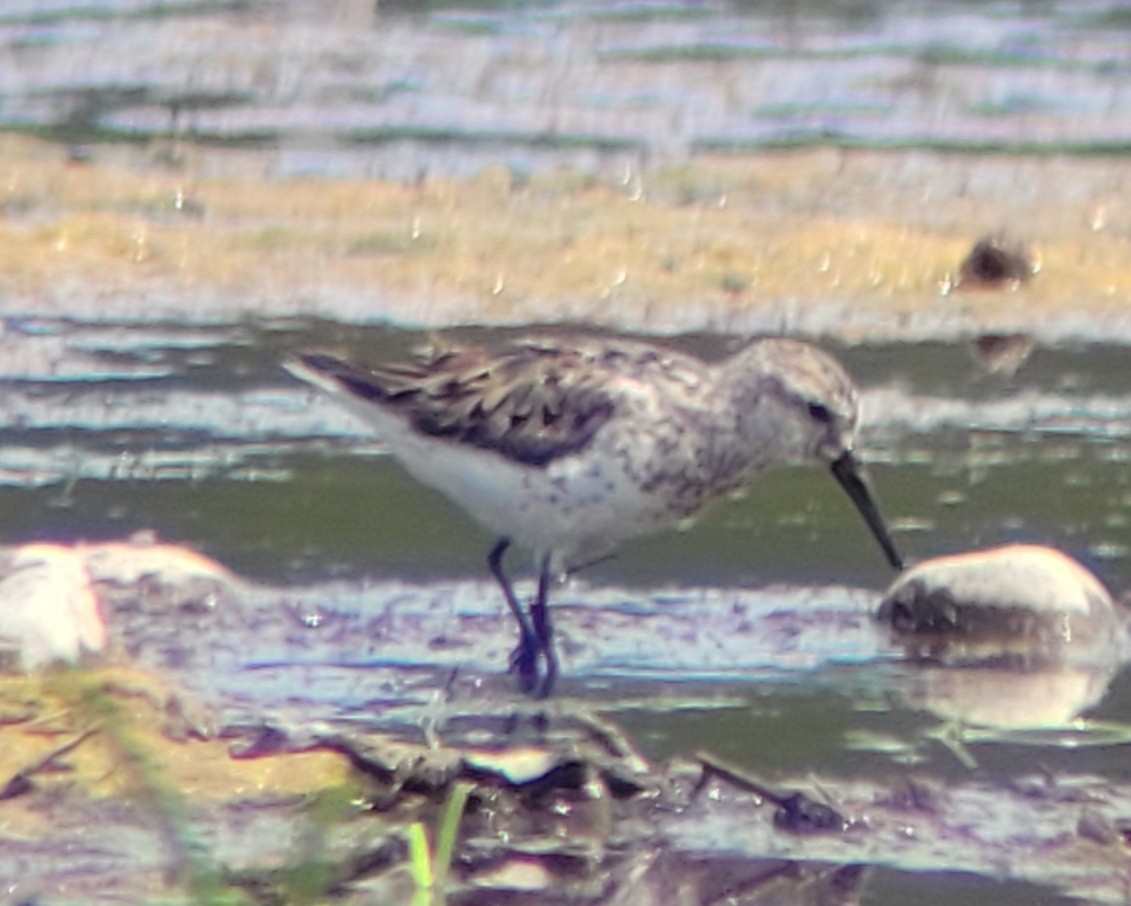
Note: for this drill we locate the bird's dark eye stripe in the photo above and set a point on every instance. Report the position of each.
(819, 412)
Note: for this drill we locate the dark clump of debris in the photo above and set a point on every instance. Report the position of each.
(996, 262)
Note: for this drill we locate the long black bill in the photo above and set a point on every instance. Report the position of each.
(846, 470)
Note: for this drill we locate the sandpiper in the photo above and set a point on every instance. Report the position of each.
(569, 447)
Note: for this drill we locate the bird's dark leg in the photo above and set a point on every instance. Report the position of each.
(524, 659)
(543, 630)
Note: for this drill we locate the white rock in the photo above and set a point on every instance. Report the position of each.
(48, 609)
(1033, 596)
(128, 562)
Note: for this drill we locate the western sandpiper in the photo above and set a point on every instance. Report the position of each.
(568, 447)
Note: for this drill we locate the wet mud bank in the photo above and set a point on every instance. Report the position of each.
(851, 245)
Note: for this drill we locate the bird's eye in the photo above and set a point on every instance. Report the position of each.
(819, 412)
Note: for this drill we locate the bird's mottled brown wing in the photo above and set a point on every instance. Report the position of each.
(531, 401)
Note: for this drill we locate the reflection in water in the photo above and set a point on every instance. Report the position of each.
(1001, 353)
(1008, 699)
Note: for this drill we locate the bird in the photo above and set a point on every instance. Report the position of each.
(569, 446)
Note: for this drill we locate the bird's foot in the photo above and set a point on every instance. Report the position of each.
(524, 663)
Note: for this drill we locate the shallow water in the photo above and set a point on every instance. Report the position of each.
(748, 635)
(406, 89)
(199, 433)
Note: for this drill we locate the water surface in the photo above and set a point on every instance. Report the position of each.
(406, 89)
(748, 635)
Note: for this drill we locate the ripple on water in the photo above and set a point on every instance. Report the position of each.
(454, 89)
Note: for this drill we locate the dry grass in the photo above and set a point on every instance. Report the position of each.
(44, 713)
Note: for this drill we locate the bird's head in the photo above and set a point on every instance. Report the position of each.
(798, 402)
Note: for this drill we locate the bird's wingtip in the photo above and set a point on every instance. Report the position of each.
(316, 368)
(335, 376)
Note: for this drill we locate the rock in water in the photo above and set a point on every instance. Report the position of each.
(1018, 599)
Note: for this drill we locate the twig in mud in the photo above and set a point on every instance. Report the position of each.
(610, 737)
(796, 811)
(20, 782)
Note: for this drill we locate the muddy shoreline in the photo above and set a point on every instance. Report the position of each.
(856, 246)
(545, 802)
